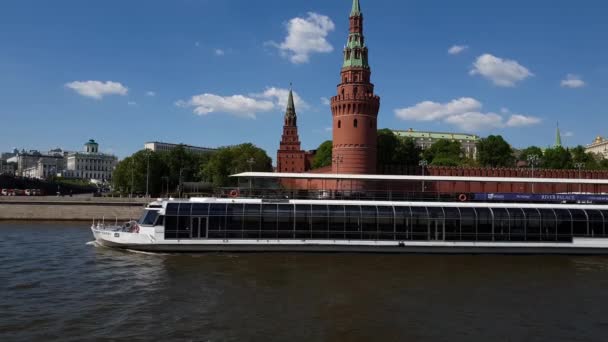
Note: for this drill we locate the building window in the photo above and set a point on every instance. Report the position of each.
(356, 123)
(339, 123)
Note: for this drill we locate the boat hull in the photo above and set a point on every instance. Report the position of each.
(147, 243)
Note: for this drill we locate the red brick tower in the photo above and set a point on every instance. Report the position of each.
(355, 109)
(290, 157)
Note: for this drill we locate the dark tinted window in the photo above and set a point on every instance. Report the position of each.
(200, 209)
(596, 223)
(184, 209)
(580, 223)
(172, 209)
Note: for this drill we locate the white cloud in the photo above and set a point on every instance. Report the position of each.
(325, 101)
(517, 120)
(568, 134)
(150, 93)
(132, 103)
(573, 81)
(430, 111)
(465, 113)
(219, 52)
(279, 96)
(247, 106)
(505, 110)
(96, 89)
(197, 44)
(503, 72)
(306, 36)
(457, 49)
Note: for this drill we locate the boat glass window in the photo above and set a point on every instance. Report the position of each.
(148, 218)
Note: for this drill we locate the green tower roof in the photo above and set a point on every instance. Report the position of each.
(356, 8)
(558, 137)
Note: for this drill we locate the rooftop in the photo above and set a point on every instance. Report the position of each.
(410, 133)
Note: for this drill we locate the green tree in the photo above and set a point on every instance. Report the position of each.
(579, 155)
(444, 153)
(494, 151)
(323, 155)
(531, 151)
(407, 153)
(557, 158)
(234, 159)
(388, 144)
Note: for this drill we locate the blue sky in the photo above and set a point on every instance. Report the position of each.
(214, 73)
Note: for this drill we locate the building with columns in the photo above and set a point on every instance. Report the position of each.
(425, 140)
(355, 108)
(90, 164)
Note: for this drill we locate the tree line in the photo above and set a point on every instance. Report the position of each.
(492, 151)
(164, 172)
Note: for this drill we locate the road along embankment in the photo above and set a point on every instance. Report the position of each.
(71, 208)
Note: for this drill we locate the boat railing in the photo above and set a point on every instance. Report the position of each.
(367, 195)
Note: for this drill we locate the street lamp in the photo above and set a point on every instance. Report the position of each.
(532, 161)
(423, 164)
(580, 166)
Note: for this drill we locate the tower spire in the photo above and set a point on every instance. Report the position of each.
(291, 107)
(356, 11)
(558, 137)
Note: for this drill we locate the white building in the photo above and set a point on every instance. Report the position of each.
(156, 146)
(598, 147)
(44, 167)
(425, 140)
(90, 164)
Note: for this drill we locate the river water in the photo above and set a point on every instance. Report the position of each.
(55, 286)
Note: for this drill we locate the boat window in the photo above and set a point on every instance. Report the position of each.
(386, 223)
(452, 224)
(436, 223)
(285, 221)
(548, 225)
(185, 209)
(517, 229)
(485, 224)
(596, 223)
(253, 221)
(320, 221)
(502, 224)
(353, 224)
(217, 221)
(564, 225)
(269, 221)
(580, 222)
(172, 209)
(420, 223)
(148, 218)
(532, 225)
(234, 220)
(302, 219)
(369, 223)
(170, 227)
(337, 222)
(200, 209)
(403, 217)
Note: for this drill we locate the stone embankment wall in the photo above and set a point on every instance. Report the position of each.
(70, 208)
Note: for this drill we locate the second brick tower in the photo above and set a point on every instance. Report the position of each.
(355, 108)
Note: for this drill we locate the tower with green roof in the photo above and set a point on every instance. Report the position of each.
(558, 137)
(355, 108)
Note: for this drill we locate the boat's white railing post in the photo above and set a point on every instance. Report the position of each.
(116, 223)
(103, 221)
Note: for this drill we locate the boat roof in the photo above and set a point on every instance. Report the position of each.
(334, 176)
(212, 200)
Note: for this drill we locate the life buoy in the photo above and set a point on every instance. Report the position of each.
(234, 193)
(463, 198)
